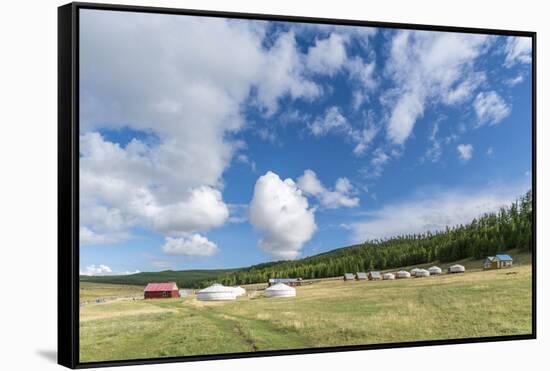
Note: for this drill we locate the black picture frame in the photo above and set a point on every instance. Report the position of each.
(68, 182)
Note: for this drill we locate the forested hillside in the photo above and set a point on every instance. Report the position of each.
(189, 278)
(491, 233)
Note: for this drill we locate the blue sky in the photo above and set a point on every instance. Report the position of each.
(210, 143)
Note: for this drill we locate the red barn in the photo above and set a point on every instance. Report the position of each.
(161, 290)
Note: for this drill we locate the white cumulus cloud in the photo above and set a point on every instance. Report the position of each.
(117, 193)
(280, 210)
(327, 55)
(193, 245)
(201, 210)
(341, 196)
(169, 178)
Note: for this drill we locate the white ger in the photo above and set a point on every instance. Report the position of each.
(434, 270)
(457, 268)
(239, 291)
(402, 274)
(217, 292)
(280, 290)
(422, 273)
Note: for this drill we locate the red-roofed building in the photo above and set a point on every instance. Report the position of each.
(161, 290)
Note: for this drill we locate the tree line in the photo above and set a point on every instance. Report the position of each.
(491, 233)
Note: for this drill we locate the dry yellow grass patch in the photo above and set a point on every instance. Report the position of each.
(94, 311)
(263, 316)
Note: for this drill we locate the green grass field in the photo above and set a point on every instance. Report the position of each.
(329, 313)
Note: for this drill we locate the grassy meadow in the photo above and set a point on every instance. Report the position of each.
(89, 292)
(326, 313)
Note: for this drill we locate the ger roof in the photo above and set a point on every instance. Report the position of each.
(284, 279)
(216, 287)
(280, 287)
(503, 257)
(164, 286)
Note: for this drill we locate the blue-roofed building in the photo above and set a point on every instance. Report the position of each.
(498, 261)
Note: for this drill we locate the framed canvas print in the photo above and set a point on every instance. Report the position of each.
(241, 185)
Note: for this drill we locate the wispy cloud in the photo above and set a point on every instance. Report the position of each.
(378, 160)
(162, 264)
(432, 211)
(334, 122)
(238, 213)
(433, 153)
(465, 151)
(490, 108)
(331, 121)
(517, 50)
(244, 159)
(340, 196)
(514, 80)
(103, 270)
(428, 67)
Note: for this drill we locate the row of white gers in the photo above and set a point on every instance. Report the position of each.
(221, 292)
(280, 290)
